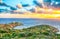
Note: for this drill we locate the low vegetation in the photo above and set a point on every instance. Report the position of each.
(37, 32)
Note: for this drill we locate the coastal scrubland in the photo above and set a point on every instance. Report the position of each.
(36, 32)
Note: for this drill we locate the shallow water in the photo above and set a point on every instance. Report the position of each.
(28, 22)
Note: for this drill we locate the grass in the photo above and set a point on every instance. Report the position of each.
(37, 32)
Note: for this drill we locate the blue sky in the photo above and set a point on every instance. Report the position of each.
(13, 3)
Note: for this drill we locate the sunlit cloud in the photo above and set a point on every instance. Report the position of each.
(18, 8)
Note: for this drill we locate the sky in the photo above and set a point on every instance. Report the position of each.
(13, 3)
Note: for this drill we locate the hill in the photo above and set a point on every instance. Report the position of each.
(37, 32)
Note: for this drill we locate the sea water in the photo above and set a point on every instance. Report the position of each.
(30, 22)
